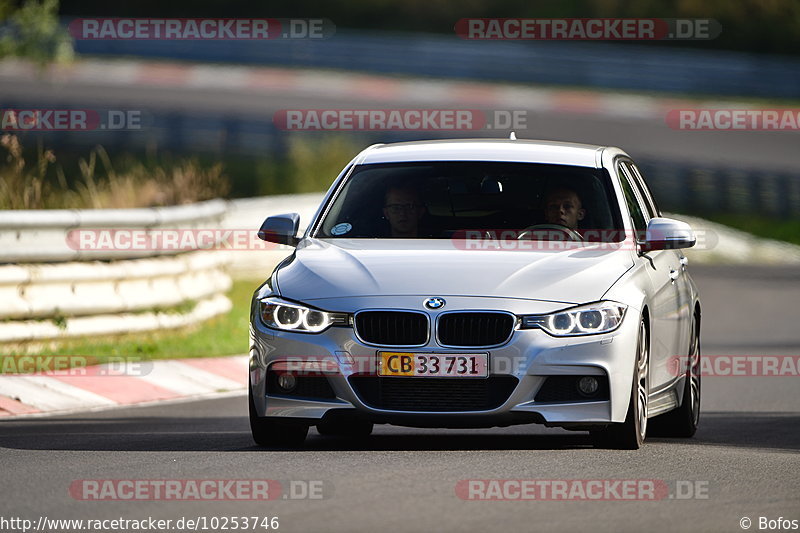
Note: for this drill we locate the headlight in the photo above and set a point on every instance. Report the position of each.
(287, 316)
(600, 317)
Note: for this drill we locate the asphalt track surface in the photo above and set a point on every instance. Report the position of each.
(744, 457)
(640, 137)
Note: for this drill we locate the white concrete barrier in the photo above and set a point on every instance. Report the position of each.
(41, 290)
(49, 288)
(31, 236)
(111, 324)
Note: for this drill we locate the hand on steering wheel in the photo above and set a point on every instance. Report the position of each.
(571, 233)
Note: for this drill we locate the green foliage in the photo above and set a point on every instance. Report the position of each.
(310, 164)
(781, 229)
(131, 183)
(33, 31)
(32, 180)
(60, 320)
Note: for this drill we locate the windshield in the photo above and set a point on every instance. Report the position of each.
(442, 200)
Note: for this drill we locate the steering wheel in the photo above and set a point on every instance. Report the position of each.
(571, 233)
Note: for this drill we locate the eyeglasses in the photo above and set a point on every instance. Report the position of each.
(396, 209)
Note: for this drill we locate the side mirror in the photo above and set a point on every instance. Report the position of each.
(281, 229)
(668, 234)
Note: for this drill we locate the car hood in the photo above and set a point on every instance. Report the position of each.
(337, 268)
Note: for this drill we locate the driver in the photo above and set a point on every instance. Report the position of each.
(404, 210)
(563, 207)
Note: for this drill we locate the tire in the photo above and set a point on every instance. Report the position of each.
(682, 422)
(345, 428)
(630, 435)
(269, 432)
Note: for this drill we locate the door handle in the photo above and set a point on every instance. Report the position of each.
(673, 274)
(684, 261)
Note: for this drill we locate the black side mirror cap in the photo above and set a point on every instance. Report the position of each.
(281, 229)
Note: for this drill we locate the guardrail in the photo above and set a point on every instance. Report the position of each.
(706, 189)
(41, 235)
(51, 289)
(586, 64)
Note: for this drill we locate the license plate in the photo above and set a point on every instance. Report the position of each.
(461, 365)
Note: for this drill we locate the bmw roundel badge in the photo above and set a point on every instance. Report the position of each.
(434, 303)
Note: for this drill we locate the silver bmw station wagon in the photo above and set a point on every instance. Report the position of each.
(479, 283)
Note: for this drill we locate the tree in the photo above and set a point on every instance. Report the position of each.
(33, 31)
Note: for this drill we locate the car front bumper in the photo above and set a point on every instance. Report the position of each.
(530, 356)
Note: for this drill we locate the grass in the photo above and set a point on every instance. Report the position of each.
(223, 335)
(781, 229)
(99, 183)
(311, 162)
(33, 178)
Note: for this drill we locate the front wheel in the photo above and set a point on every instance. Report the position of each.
(271, 432)
(630, 435)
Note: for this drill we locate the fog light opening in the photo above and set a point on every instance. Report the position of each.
(287, 382)
(588, 386)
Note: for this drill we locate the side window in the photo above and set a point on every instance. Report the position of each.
(639, 223)
(644, 190)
